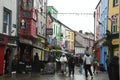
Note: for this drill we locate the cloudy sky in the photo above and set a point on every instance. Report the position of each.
(76, 14)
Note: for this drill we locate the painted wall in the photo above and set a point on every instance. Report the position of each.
(103, 28)
(70, 39)
(112, 11)
(41, 15)
(53, 11)
(97, 25)
(103, 56)
(13, 9)
(1, 59)
(103, 18)
(55, 25)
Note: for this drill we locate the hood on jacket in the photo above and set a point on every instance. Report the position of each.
(87, 54)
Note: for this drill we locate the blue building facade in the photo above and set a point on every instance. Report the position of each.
(103, 28)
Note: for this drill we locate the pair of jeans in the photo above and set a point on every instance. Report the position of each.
(88, 69)
(81, 68)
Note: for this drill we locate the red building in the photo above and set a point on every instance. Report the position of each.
(3, 43)
(28, 19)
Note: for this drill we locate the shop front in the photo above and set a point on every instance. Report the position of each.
(3, 43)
(10, 53)
(32, 46)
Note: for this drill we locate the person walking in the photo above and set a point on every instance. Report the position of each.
(71, 64)
(95, 64)
(36, 63)
(87, 65)
(114, 67)
(81, 64)
(108, 67)
(63, 60)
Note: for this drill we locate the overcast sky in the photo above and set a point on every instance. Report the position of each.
(84, 20)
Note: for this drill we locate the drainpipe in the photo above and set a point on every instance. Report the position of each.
(119, 38)
(18, 23)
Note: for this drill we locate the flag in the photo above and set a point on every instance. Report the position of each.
(100, 23)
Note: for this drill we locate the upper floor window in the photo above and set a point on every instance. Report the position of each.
(6, 20)
(114, 26)
(26, 4)
(115, 3)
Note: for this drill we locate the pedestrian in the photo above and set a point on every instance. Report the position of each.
(7, 61)
(108, 66)
(58, 64)
(28, 62)
(71, 64)
(63, 60)
(114, 67)
(81, 64)
(14, 64)
(87, 65)
(95, 64)
(51, 58)
(36, 63)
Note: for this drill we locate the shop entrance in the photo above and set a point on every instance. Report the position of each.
(7, 61)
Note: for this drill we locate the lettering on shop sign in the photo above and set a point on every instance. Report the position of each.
(26, 41)
(115, 41)
(49, 31)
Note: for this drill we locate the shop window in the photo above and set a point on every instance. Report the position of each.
(6, 20)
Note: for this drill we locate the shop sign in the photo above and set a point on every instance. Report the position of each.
(26, 41)
(39, 45)
(115, 41)
(49, 31)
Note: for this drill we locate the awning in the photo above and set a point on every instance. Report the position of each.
(63, 51)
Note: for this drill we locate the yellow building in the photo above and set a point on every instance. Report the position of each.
(113, 23)
(70, 39)
(113, 10)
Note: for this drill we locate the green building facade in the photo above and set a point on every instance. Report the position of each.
(56, 25)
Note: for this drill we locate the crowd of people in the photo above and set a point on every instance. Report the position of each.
(66, 64)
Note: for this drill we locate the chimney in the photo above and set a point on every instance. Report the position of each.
(80, 31)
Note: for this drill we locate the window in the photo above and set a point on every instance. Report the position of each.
(114, 26)
(115, 3)
(26, 4)
(6, 20)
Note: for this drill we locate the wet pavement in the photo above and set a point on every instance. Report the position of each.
(56, 76)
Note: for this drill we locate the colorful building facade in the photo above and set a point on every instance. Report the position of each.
(103, 28)
(97, 30)
(113, 25)
(8, 33)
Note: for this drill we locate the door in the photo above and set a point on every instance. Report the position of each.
(1, 59)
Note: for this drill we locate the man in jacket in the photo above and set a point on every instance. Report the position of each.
(87, 65)
(71, 64)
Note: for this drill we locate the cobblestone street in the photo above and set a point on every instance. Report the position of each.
(56, 76)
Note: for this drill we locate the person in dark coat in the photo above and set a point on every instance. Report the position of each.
(36, 63)
(114, 67)
(71, 64)
(14, 64)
